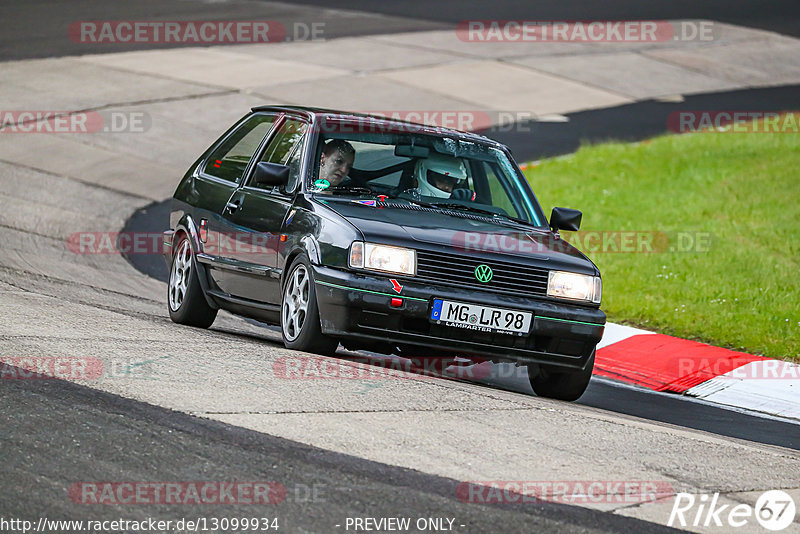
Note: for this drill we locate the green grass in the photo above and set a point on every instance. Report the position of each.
(742, 189)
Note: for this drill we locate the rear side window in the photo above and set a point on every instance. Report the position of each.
(229, 160)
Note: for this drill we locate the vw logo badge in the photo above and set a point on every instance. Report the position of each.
(483, 273)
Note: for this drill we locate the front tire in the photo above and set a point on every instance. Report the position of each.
(185, 300)
(560, 385)
(300, 321)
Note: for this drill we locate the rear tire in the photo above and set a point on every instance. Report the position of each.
(185, 300)
(300, 321)
(561, 385)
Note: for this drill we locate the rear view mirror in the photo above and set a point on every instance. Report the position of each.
(270, 174)
(565, 219)
(411, 151)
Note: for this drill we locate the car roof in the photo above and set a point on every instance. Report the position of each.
(312, 112)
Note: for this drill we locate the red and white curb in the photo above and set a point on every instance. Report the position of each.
(722, 376)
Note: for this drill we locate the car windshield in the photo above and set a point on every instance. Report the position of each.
(445, 173)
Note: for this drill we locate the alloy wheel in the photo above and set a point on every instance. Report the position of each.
(295, 303)
(179, 277)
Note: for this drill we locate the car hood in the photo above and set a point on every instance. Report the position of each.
(478, 237)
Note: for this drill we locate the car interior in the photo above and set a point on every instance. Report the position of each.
(389, 169)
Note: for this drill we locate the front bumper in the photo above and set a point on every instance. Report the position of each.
(357, 306)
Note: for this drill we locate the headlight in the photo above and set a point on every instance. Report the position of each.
(574, 286)
(383, 258)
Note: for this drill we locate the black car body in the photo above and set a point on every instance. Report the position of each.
(371, 262)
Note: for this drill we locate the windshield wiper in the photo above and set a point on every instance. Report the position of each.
(341, 190)
(353, 189)
(362, 190)
(464, 207)
(391, 196)
(492, 214)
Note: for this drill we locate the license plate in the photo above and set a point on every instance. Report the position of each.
(481, 318)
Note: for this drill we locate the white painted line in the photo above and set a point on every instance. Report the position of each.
(698, 400)
(617, 332)
(769, 386)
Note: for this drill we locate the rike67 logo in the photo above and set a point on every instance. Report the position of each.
(774, 510)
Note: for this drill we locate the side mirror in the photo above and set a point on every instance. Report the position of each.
(565, 219)
(270, 174)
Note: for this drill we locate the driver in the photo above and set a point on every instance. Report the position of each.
(439, 175)
(336, 161)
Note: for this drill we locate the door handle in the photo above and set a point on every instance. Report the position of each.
(232, 206)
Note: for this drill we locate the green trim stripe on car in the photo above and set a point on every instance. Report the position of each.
(373, 292)
(567, 320)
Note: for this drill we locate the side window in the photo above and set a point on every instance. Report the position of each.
(499, 191)
(230, 159)
(286, 148)
(295, 159)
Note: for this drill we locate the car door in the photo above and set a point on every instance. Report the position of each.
(254, 216)
(218, 178)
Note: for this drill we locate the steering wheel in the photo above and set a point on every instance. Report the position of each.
(463, 194)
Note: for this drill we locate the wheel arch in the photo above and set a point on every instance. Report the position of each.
(308, 245)
(186, 226)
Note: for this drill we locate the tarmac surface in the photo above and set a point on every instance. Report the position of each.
(109, 437)
(38, 27)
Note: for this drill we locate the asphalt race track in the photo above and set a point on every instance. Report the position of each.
(39, 25)
(143, 442)
(180, 404)
(780, 16)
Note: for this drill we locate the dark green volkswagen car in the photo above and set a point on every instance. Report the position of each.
(383, 235)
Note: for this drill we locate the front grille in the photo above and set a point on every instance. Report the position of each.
(459, 270)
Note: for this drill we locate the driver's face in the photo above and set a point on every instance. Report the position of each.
(335, 166)
(444, 184)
